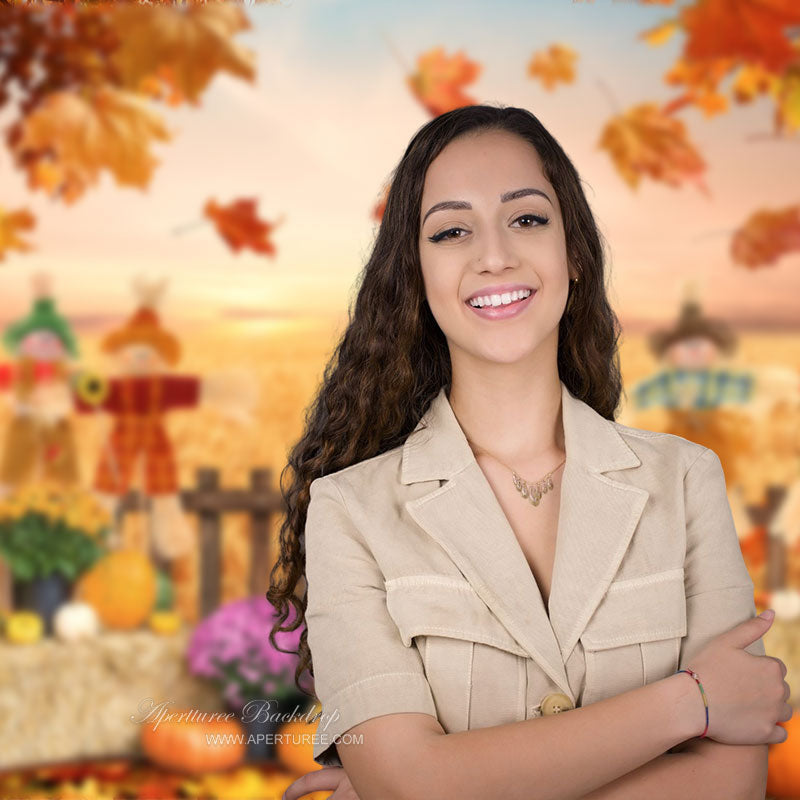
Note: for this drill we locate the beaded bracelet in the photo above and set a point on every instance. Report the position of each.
(696, 677)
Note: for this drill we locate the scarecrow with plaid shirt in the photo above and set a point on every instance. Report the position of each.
(139, 399)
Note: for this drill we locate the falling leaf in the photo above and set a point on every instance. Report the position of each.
(661, 34)
(179, 47)
(752, 80)
(766, 236)
(439, 80)
(67, 140)
(701, 80)
(645, 141)
(747, 30)
(11, 223)
(239, 226)
(555, 64)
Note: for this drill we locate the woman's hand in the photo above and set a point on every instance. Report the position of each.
(747, 694)
(328, 779)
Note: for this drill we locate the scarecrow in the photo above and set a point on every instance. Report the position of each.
(703, 399)
(39, 441)
(138, 398)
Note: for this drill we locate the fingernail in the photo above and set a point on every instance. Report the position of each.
(768, 614)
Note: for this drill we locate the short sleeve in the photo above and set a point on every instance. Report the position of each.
(719, 589)
(362, 669)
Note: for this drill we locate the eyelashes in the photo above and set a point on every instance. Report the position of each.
(541, 219)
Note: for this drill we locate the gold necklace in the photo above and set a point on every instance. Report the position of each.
(530, 491)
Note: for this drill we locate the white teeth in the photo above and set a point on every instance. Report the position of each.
(499, 299)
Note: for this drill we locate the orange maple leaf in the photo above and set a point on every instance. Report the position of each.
(11, 223)
(701, 79)
(765, 236)
(555, 64)
(70, 137)
(748, 30)
(179, 47)
(645, 141)
(239, 225)
(439, 80)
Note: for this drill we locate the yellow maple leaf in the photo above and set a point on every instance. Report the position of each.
(752, 80)
(661, 34)
(69, 137)
(183, 47)
(11, 223)
(788, 93)
(555, 64)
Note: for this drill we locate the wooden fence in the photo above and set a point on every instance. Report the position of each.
(209, 501)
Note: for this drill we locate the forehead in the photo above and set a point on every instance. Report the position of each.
(490, 162)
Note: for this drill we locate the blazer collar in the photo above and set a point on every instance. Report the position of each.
(597, 517)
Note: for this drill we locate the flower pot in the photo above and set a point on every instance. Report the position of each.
(261, 719)
(43, 595)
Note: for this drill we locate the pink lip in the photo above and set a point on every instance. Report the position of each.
(503, 312)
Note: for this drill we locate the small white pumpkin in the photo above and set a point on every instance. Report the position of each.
(74, 621)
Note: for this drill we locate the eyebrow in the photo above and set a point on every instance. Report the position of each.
(460, 205)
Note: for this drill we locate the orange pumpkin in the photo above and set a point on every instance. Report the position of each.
(295, 748)
(783, 779)
(180, 744)
(121, 587)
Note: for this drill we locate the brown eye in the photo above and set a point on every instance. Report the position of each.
(444, 235)
(541, 220)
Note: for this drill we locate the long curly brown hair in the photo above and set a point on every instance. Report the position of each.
(392, 358)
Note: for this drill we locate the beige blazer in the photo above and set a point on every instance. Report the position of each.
(421, 599)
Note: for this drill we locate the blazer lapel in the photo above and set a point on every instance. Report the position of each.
(597, 518)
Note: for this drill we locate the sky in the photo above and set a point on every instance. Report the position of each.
(318, 133)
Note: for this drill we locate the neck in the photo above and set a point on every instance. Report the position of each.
(518, 422)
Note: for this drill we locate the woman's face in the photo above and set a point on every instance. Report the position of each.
(498, 231)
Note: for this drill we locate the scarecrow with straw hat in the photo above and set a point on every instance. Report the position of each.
(703, 400)
(138, 398)
(39, 441)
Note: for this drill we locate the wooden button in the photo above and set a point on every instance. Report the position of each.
(556, 703)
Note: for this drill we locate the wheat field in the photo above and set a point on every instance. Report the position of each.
(287, 362)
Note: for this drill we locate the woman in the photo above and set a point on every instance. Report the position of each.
(483, 545)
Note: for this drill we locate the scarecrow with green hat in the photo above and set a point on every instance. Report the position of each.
(39, 441)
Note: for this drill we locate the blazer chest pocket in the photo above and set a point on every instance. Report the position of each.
(475, 668)
(634, 636)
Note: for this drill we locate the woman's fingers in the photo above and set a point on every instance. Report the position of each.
(780, 664)
(324, 779)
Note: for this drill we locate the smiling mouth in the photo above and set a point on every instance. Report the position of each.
(499, 300)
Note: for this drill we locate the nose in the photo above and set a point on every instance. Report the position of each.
(494, 252)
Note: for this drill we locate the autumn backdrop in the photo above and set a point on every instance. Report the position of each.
(232, 161)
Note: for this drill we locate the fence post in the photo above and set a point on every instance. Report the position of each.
(776, 556)
(260, 484)
(210, 543)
